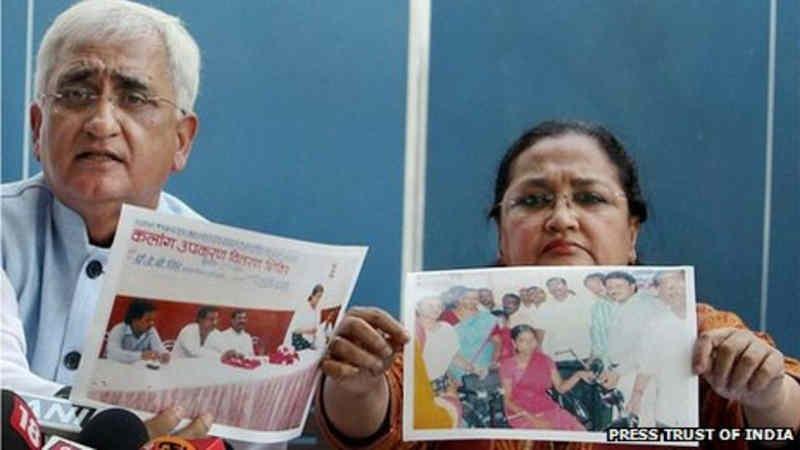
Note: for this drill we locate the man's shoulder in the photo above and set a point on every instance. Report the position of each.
(25, 196)
(171, 204)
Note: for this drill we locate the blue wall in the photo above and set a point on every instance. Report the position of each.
(302, 121)
(682, 83)
(302, 125)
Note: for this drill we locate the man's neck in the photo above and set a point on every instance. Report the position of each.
(102, 218)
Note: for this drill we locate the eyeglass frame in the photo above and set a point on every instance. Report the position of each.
(510, 203)
(112, 98)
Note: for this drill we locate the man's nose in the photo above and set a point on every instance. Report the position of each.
(103, 123)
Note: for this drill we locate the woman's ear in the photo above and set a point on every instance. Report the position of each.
(633, 235)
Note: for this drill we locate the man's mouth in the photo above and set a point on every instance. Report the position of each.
(98, 156)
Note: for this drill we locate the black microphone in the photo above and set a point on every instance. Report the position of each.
(114, 429)
(20, 428)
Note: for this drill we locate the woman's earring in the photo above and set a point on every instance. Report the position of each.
(632, 257)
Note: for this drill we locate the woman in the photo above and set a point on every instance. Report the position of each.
(474, 328)
(566, 194)
(527, 376)
(438, 341)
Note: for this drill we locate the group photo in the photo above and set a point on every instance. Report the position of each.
(579, 350)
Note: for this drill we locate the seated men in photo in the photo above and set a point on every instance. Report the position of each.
(136, 337)
(201, 337)
(235, 337)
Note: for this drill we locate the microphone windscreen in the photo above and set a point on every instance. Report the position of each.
(114, 429)
(20, 428)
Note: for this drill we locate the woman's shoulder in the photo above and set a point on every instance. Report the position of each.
(710, 318)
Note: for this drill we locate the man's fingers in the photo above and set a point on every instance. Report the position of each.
(164, 422)
(360, 330)
(337, 369)
(384, 322)
(198, 428)
(345, 351)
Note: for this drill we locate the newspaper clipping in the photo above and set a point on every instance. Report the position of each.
(548, 353)
(214, 319)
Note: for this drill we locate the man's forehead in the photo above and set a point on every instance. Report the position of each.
(144, 61)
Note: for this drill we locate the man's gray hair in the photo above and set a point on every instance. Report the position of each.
(120, 21)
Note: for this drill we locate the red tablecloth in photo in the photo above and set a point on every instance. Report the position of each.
(268, 398)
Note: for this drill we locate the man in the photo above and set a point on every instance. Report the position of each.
(486, 297)
(630, 322)
(602, 309)
(528, 306)
(566, 321)
(201, 337)
(663, 342)
(136, 338)
(112, 119)
(235, 337)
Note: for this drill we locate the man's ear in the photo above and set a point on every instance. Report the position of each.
(35, 115)
(186, 131)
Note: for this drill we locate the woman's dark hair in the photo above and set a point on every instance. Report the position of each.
(620, 275)
(522, 328)
(137, 309)
(626, 168)
(316, 290)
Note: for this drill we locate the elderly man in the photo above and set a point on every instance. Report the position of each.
(112, 119)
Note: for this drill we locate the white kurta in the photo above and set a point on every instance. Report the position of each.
(567, 326)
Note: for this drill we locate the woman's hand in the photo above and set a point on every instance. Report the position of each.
(165, 422)
(363, 348)
(740, 366)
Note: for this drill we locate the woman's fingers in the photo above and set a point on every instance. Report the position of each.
(198, 428)
(360, 331)
(343, 350)
(164, 422)
(383, 322)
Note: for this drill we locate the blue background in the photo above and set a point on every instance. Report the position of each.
(682, 83)
(302, 108)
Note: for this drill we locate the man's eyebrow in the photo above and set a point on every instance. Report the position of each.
(78, 74)
(131, 82)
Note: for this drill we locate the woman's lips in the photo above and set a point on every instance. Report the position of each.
(561, 247)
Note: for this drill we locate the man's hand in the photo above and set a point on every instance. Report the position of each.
(164, 424)
(149, 355)
(608, 379)
(164, 357)
(363, 348)
(740, 366)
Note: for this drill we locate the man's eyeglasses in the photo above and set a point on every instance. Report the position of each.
(136, 104)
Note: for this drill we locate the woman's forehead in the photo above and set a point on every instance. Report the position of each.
(566, 158)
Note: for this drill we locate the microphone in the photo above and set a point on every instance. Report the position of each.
(176, 443)
(20, 428)
(114, 429)
(59, 416)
